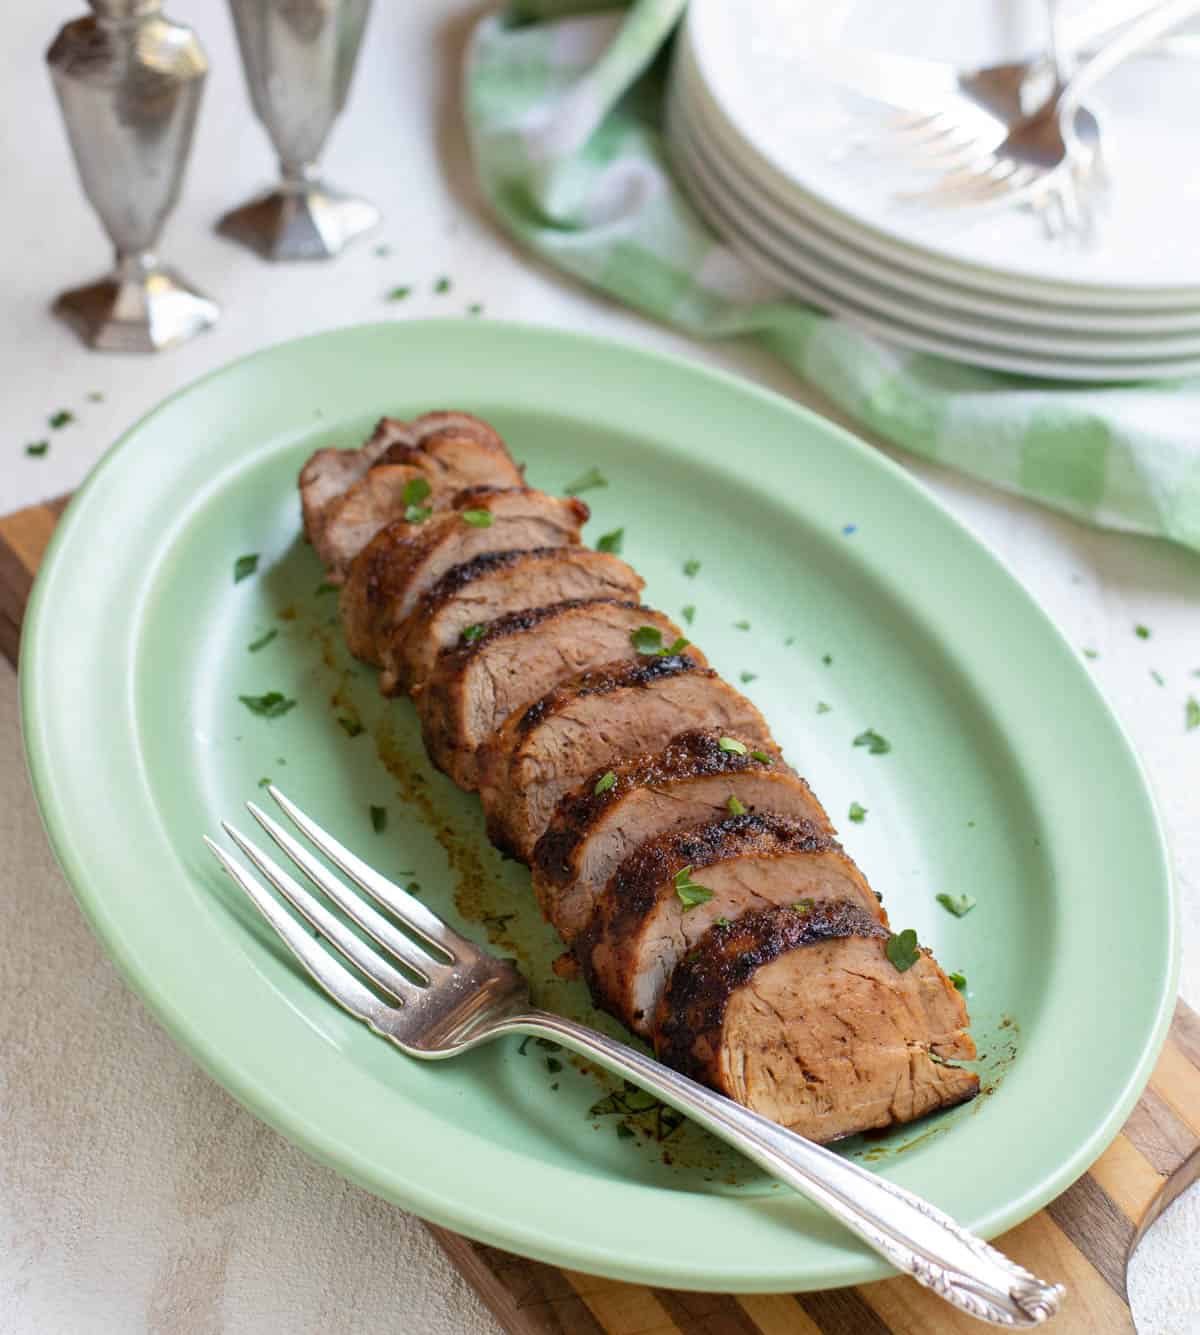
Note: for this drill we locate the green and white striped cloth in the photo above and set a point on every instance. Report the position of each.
(564, 100)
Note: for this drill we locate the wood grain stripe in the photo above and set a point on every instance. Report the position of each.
(1177, 1082)
(845, 1311)
(778, 1314)
(525, 1297)
(622, 1309)
(1159, 1134)
(1185, 1032)
(1087, 1214)
(23, 540)
(706, 1313)
(1128, 1177)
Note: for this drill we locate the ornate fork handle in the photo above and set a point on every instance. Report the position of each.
(913, 1235)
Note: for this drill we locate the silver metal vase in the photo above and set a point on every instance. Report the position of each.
(129, 83)
(299, 57)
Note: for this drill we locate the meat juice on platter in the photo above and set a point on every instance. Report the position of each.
(692, 874)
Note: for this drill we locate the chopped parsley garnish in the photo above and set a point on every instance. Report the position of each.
(325, 587)
(763, 757)
(741, 625)
(959, 905)
(383, 251)
(857, 813)
(1158, 677)
(791, 639)
(1142, 632)
(264, 783)
(379, 820)
(478, 518)
(475, 308)
(691, 568)
(604, 783)
(271, 705)
(35, 449)
(802, 906)
(876, 745)
(688, 613)
(415, 491)
(736, 808)
(625, 1131)
(548, 1043)
(442, 286)
(721, 922)
(1191, 713)
(553, 1065)
(690, 894)
(1091, 653)
(649, 640)
(959, 980)
(350, 726)
(263, 640)
(94, 396)
(747, 677)
(61, 419)
(611, 542)
(903, 950)
(244, 567)
(732, 744)
(472, 633)
(822, 707)
(588, 481)
(399, 293)
(827, 659)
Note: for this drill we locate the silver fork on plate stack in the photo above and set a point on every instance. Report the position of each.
(434, 994)
(1050, 157)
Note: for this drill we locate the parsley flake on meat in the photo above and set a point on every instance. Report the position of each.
(902, 950)
(690, 894)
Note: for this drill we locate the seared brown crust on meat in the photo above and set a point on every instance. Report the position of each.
(448, 699)
(493, 585)
(603, 681)
(802, 1016)
(381, 585)
(589, 725)
(693, 1006)
(611, 946)
(690, 755)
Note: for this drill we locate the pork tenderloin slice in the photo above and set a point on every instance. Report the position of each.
(459, 459)
(493, 585)
(686, 782)
(329, 472)
(352, 519)
(404, 561)
(802, 1017)
(642, 926)
(591, 722)
(519, 657)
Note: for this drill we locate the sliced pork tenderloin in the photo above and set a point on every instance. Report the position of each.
(479, 591)
(474, 687)
(597, 722)
(330, 472)
(666, 895)
(403, 561)
(802, 1017)
(595, 827)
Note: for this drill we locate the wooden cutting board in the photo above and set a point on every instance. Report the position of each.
(1083, 1239)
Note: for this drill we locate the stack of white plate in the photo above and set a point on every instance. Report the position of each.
(773, 155)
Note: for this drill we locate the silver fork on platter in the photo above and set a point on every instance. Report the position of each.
(434, 994)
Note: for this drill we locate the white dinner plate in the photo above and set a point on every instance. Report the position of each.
(753, 62)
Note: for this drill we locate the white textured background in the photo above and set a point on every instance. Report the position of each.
(135, 1197)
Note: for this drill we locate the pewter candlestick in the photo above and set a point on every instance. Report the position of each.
(129, 83)
(299, 57)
